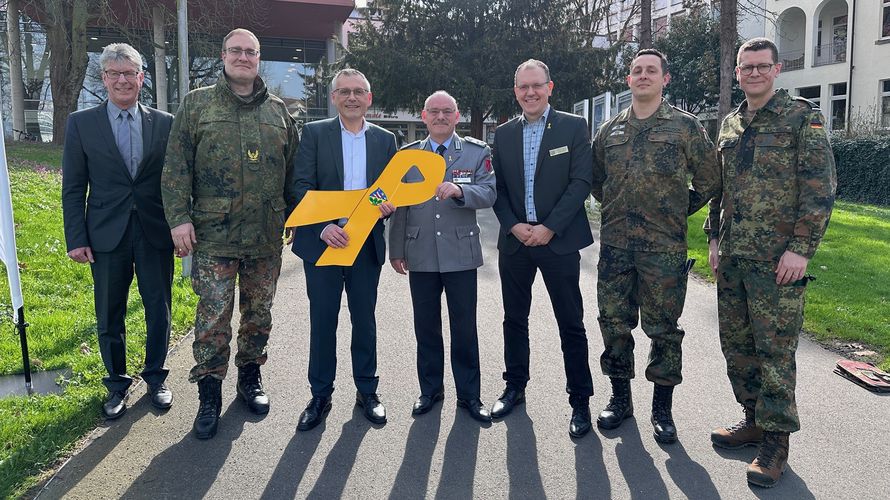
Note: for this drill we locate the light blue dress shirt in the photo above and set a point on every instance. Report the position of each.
(136, 147)
(532, 132)
(355, 158)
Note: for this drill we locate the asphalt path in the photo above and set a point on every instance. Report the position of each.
(841, 452)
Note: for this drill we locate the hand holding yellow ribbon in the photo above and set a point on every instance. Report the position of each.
(360, 206)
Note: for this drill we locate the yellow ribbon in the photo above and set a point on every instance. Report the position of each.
(360, 206)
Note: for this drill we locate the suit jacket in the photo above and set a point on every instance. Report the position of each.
(319, 166)
(441, 236)
(562, 181)
(98, 193)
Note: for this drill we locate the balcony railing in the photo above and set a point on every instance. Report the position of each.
(832, 53)
(791, 60)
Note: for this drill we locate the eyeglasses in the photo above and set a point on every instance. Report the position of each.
(748, 69)
(237, 51)
(535, 86)
(115, 75)
(345, 93)
(443, 112)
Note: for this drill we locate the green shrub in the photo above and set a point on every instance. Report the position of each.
(863, 169)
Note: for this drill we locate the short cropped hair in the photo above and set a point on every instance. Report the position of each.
(759, 43)
(350, 72)
(532, 63)
(117, 52)
(240, 31)
(665, 69)
(437, 93)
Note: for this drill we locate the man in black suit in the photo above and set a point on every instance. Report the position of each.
(115, 152)
(342, 153)
(542, 160)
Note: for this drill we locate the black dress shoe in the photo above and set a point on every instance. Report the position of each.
(374, 410)
(315, 411)
(115, 405)
(425, 403)
(161, 396)
(476, 409)
(504, 405)
(580, 423)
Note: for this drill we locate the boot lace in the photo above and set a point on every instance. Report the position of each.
(768, 452)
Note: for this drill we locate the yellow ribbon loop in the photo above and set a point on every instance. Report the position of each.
(360, 207)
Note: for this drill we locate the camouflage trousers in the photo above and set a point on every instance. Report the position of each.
(213, 280)
(648, 286)
(759, 328)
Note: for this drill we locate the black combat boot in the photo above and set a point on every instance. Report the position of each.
(209, 407)
(662, 420)
(620, 405)
(767, 468)
(250, 387)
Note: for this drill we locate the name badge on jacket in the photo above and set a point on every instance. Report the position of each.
(462, 176)
(559, 151)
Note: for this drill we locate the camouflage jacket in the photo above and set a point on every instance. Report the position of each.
(778, 181)
(641, 176)
(229, 170)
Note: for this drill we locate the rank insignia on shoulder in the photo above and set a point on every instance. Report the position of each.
(253, 156)
(473, 140)
(377, 197)
(411, 145)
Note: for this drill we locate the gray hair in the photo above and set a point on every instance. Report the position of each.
(437, 93)
(350, 72)
(120, 52)
(532, 63)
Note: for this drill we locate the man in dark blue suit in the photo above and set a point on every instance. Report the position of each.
(115, 152)
(542, 161)
(342, 153)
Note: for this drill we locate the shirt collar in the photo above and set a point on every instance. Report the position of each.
(357, 134)
(114, 111)
(543, 117)
(435, 145)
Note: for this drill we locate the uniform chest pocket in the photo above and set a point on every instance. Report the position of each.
(774, 153)
(662, 154)
(616, 154)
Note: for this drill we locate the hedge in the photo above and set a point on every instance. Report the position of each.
(863, 169)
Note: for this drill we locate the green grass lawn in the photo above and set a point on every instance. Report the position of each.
(850, 299)
(36, 430)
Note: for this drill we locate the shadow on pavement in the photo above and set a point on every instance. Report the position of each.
(414, 473)
(459, 461)
(84, 462)
(692, 479)
(591, 478)
(293, 463)
(340, 460)
(522, 456)
(188, 468)
(637, 465)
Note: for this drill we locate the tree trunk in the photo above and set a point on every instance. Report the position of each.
(476, 118)
(645, 24)
(16, 83)
(728, 40)
(66, 36)
(160, 73)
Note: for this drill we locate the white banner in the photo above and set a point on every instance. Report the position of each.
(7, 236)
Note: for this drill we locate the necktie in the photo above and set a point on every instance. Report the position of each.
(123, 140)
(441, 150)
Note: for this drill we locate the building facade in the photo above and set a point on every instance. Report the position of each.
(836, 53)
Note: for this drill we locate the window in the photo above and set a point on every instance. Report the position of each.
(659, 26)
(885, 103)
(885, 25)
(601, 110)
(812, 93)
(838, 106)
(623, 100)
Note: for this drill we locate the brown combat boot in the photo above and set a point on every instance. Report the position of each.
(743, 433)
(771, 460)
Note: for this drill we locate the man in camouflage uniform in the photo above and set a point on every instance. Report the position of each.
(643, 159)
(226, 184)
(778, 191)
(438, 242)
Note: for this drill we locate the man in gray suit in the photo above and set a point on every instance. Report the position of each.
(438, 241)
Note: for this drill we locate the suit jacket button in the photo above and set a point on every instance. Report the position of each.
(438, 233)
(437, 216)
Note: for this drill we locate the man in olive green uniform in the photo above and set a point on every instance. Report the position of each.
(226, 185)
(643, 158)
(778, 190)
